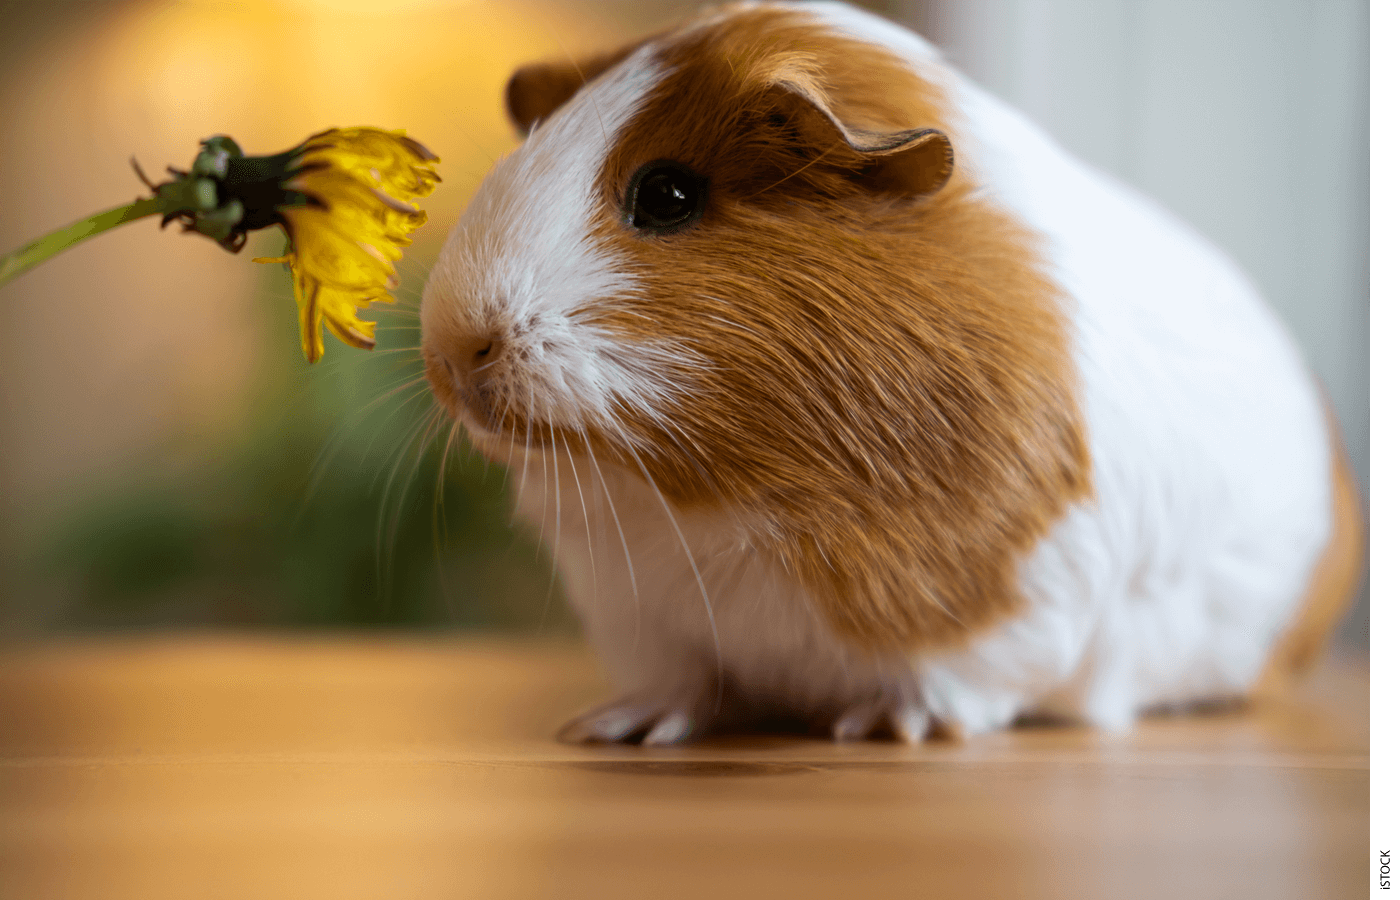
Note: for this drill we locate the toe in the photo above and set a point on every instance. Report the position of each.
(911, 724)
(857, 723)
(672, 728)
(610, 724)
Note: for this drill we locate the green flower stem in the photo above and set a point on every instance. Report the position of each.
(55, 242)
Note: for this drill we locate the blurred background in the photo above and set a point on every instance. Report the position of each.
(169, 459)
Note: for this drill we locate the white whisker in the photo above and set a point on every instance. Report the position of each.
(694, 567)
(583, 88)
(525, 464)
(626, 554)
(440, 516)
(510, 458)
(343, 433)
(558, 488)
(387, 528)
(425, 389)
(583, 506)
(558, 519)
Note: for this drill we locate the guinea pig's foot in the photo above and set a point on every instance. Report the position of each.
(652, 720)
(905, 717)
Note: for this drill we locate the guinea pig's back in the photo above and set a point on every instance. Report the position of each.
(1213, 463)
(1176, 348)
(1223, 535)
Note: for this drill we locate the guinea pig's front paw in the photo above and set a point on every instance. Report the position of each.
(907, 718)
(655, 720)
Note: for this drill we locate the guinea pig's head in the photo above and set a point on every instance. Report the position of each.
(738, 259)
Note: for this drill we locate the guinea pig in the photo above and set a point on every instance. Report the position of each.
(843, 395)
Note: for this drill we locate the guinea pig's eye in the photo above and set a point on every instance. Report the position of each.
(665, 196)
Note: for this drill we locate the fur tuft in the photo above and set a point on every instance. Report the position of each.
(889, 390)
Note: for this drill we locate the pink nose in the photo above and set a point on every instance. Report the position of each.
(469, 362)
(478, 353)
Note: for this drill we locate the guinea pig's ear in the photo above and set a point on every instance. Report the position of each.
(908, 162)
(535, 91)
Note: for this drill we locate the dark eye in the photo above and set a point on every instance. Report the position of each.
(665, 196)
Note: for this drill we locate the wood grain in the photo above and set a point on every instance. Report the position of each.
(404, 768)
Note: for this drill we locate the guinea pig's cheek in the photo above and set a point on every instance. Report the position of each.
(523, 277)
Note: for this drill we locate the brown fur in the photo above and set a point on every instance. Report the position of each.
(888, 395)
(1332, 586)
(536, 91)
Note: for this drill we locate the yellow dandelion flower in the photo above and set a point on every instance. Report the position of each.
(346, 235)
(343, 197)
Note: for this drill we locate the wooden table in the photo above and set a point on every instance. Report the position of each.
(307, 767)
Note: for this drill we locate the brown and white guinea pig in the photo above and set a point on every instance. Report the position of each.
(842, 393)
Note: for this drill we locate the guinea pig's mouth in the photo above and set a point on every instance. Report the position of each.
(470, 398)
(475, 402)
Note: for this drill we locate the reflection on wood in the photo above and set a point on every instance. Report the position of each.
(269, 768)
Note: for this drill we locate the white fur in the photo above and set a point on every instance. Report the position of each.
(518, 263)
(1210, 448)
(1208, 440)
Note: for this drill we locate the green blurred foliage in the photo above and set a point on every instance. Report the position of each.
(339, 504)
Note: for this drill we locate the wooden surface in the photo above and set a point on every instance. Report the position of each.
(401, 768)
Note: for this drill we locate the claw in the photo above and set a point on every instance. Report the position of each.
(658, 721)
(611, 723)
(911, 722)
(857, 723)
(673, 728)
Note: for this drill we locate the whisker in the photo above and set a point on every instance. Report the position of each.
(525, 464)
(676, 435)
(490, 160)
(809, 165)
(399, 309)
(558, 492)
(431, 430)
(440, 515)
(343, 433)
(583, 505)
(510, 458)
(694, 567)
(583, 86)
(413, 262)
(394, 366)
(626, 554)
(558, 515)
(423, 427)
(424, 389)
(405, 301)
(386, 529)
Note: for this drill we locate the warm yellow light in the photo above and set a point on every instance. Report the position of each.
(151, 78)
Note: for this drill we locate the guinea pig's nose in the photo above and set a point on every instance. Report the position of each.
(479, 352)
(468, 364)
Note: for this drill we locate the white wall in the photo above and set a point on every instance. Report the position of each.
(1246, 117)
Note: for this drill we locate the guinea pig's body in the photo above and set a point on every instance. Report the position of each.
(887, 413)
